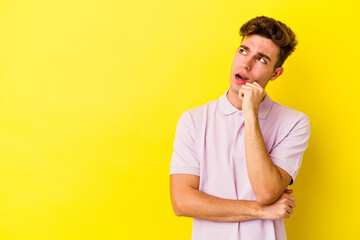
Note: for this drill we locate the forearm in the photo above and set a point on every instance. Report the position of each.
(196, 204)
(264, 176)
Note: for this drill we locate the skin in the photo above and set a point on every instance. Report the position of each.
(188, 201)
(269, 182)
(258, 69)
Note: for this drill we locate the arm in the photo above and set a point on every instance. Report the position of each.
(267, 180)
(188, 201)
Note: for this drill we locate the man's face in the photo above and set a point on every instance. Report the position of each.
(254, 61)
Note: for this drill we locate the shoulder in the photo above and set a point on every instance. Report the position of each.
(198, 113)
(204, 108)
(194, 120)
(284, 120)
(285, 114)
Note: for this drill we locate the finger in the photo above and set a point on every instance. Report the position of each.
(289, 190)
(243, 89)
(247, 87)
(241, 92)
(290, 211)
(256, 84)
(290, 197)
(249, 83)
(292, 204)
(254, 87)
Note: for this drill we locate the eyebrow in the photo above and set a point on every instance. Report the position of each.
(259, 53)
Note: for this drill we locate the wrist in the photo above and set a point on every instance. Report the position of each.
(260, 211)
(251, 114)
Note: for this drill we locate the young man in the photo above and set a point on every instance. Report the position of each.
(235, 157)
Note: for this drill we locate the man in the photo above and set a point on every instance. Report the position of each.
(235, 157)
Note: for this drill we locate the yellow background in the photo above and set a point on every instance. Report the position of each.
(91, 91)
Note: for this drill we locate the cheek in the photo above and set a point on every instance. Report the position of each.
(262, 75)
(236, 60)
(234, 63)
(265, 72)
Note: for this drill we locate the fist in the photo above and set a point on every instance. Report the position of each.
(251, 95)
(282, 208)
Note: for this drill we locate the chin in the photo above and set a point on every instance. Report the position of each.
(234, 89)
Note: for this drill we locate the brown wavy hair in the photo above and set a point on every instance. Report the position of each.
(274, 30)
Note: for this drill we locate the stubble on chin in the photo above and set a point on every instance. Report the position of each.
(235, 89)
(233, 93)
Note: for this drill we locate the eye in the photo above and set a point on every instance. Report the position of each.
(242, 51)
(262, 60)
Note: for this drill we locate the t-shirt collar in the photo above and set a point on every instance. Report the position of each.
(227, 108)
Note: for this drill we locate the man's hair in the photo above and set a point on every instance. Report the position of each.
(274, 30)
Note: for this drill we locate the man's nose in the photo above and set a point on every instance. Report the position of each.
(247, 63)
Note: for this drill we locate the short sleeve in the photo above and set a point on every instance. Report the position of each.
(185, 158)
(287, 154)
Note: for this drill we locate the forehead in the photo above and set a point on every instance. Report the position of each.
(259, 44)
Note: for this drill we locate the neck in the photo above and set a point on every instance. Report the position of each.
(234, 99)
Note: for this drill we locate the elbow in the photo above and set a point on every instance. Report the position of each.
(178, 207)
(265, 199)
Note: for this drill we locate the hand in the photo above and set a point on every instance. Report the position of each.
(282, 208)
(251, 95)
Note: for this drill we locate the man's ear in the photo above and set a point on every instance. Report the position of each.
(277, 73)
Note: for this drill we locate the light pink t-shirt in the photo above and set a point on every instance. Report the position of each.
(209, 142)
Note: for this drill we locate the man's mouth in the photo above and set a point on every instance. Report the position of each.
(241, 78)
